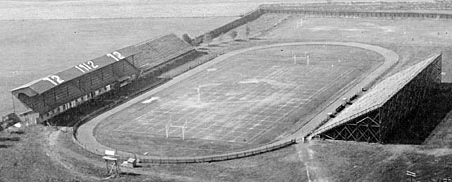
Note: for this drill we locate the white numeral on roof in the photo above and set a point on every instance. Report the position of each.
(92, 64)
(54, 79)
(88, 66)
(116, 56)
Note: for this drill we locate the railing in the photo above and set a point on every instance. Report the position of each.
(301, 9)
(366, 5)
(377, 10)
(221, 157)
(174, 160)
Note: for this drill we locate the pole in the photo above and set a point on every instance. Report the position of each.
(106, 163)
(166, 130)
(199, 93)
(117, 168)
(14, 106)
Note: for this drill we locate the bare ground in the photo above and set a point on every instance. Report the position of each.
(29, 153)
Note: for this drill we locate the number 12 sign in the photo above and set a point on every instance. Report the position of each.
(54, 79)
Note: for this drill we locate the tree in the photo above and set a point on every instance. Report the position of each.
(207, 38)
(220, 38)
(247, 31)
(233, 34)
(187, 38)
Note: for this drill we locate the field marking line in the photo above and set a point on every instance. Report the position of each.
(138, 120)
(298, 105)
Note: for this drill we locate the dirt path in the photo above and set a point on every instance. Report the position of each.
(313, 169)
(51, 150)
(85, 134)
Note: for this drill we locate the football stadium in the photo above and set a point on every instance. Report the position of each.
(290, 91)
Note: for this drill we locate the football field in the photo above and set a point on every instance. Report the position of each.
(242, 98)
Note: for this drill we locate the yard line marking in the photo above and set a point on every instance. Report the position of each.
(251, 124)
(311, 96)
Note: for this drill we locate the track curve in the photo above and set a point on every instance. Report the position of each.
(84, 135)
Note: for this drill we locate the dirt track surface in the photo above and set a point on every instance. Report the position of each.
(86, 136)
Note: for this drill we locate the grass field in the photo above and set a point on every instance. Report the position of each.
(241, 101)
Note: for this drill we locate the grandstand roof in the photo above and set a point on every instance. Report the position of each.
(377, 96)
(158, 50)
(44, 84)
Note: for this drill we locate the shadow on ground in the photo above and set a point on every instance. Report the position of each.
(5, 146)
(13, 139)
(129, 174)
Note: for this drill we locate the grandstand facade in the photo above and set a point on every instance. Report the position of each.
(59, 92)
(378, 113)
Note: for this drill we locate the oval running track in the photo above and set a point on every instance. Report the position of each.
(85, 133)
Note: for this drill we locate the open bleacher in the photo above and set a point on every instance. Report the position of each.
(383, 105)
(157, 51)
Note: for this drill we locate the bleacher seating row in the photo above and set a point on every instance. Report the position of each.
(160, 50)
(379, 94)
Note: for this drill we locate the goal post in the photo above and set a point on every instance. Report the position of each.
(305, 57)
(181, 127)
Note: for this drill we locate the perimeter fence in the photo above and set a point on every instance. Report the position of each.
(174, 160)
(378, 10)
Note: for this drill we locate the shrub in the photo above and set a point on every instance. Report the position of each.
(247, 30)
(207, 38)
(233, 34)
(187, 38)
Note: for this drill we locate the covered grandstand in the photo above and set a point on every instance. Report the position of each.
(69, 88)
(378, 113)
(59, 92)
